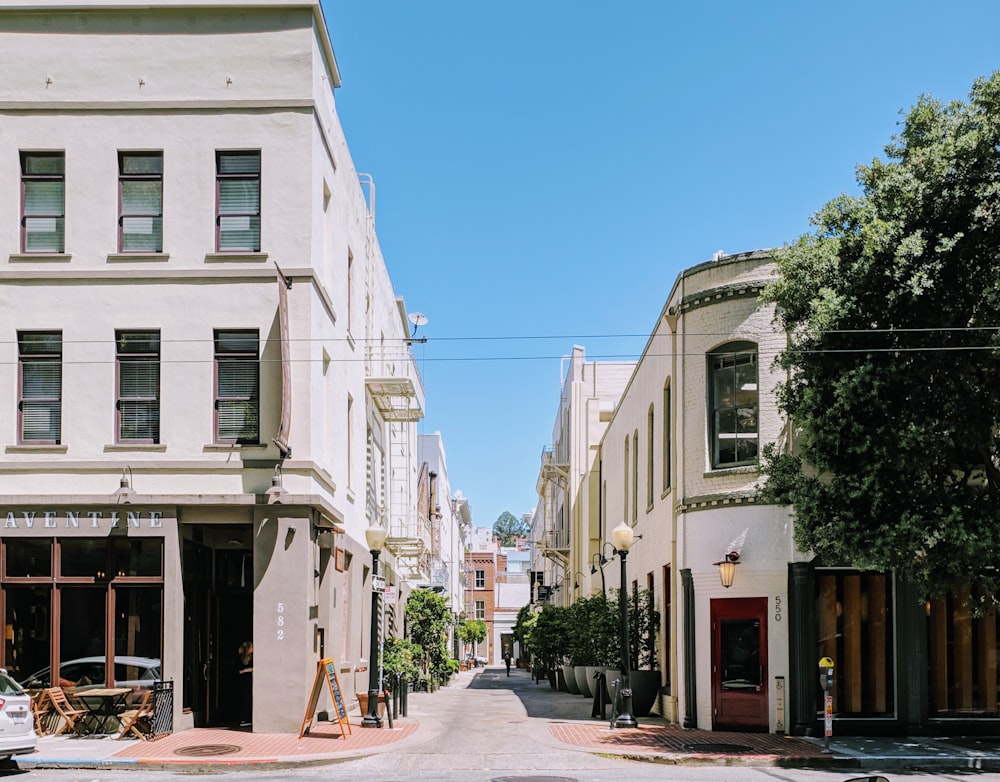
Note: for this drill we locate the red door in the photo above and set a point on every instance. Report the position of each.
(739, 664)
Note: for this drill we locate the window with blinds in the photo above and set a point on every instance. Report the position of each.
(140, 202)
(43, 202)
(138, 404)
(237, 385)
(238, 201)
(39, 408)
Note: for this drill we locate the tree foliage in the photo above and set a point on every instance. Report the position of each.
(474, 631)
(508, 528)
(892, 306)
(427, 622)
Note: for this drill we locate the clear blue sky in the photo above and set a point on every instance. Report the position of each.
(545, 168)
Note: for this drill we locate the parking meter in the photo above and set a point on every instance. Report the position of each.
(826, 682)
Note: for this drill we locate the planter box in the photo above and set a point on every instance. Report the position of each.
(363, 703)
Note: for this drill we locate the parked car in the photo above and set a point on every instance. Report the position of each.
(88, 673)
(17, 726)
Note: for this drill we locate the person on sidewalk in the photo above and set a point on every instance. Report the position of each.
(506, 661)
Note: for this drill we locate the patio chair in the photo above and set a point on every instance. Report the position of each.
(41, 709)
(136, 720)
(61, 706)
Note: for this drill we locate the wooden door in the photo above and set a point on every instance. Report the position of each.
(739, 664)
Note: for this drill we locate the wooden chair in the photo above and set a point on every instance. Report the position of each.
(41, 708)
(61, 706)
(136, 720)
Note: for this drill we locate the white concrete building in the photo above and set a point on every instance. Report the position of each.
(198, 316)
(567, 525)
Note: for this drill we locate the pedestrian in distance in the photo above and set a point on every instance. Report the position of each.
(506, 660)
(246, 683)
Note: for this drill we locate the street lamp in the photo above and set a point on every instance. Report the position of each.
(375, 536)
(601, 562)
(577, 580)
(622, 537)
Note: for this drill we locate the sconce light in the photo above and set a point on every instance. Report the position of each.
(578, 577)
(124, 491)
(727, 568)
(277, 488)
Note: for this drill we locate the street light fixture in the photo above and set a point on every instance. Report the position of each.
(375, 536)
(622, 537)
(601, 562)
(727, 568)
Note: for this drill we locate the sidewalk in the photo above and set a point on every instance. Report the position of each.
(565, 724)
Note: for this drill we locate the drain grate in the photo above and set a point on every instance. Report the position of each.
(718, 749)
(208, 750)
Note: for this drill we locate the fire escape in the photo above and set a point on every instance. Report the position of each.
(395, 386)
(553, 487)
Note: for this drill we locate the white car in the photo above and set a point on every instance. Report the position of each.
(17, 726)
(88, 673)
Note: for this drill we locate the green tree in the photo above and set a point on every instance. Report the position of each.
(508, 528)
(472, 632)
(892, 307)
(427, 622)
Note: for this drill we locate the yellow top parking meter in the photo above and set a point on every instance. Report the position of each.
(826, 673)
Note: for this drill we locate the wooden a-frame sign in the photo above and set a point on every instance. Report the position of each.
(326, 671)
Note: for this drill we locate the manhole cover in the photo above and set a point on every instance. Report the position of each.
(208, 750)
(718, 749)
(533, 779)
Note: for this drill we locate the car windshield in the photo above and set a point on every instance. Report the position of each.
(9, 687)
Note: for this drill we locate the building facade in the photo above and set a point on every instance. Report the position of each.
(207, 379)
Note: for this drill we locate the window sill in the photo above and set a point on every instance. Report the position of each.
(136, 257)
(666, 493)
(236, 257)
(151, 447)
(40, 257)
(743, 469)
(40, 448)
(234, 447)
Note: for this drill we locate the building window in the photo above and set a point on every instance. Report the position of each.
(635, 476)
(649, 457)
(854, 614)
(666, 437)
(238, 197)
(625, 480)
(140, 202)
(733, 404)
(138, 404)
(480, 609)
(350, 291)
(237, 384)
(43, 202)
(39, 408)
(480, 579)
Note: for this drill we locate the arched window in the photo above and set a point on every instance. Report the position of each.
(732, 389)
(625, 481)
(635, 476)
(666, 436)
(649, 458)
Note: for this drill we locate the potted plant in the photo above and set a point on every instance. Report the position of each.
(548, 640)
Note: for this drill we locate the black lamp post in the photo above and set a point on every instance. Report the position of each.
(622, 536)
(375, 536)
(601, 562)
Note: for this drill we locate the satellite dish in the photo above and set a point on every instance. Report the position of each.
(418, 319)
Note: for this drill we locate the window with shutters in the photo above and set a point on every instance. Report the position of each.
(237, 220)
(237, 384)
(39, 409)
(138, 403)
(140, 202)
(43, 202)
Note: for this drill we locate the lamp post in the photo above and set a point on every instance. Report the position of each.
(601, 562)
(622, 537)
(375, 536)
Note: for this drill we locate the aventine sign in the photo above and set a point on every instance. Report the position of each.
(91, 519)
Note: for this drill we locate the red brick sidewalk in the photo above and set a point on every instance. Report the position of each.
(672, 739)
(224, 747)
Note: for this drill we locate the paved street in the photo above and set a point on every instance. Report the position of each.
(483, 727)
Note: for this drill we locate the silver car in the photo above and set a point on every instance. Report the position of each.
(89, 672)
(17, 725)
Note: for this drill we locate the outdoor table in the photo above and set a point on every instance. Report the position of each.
(103, 707)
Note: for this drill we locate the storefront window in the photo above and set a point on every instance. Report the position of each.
(855, 623)
(76, 589)
(962, 658)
